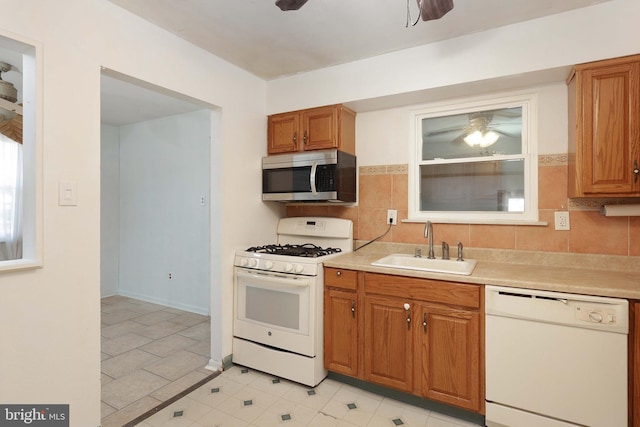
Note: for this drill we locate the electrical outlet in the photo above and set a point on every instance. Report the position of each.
(562, 221)
(170, 276)
(392, 216)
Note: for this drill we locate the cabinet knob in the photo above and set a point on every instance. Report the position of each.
(295, 139)
(636, 171)
(304, 138)
(338, 273)
(353, 308)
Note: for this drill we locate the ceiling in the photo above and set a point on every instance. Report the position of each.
(258, 37)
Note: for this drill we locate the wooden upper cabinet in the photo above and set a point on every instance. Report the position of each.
(604, 128)
(320, 128)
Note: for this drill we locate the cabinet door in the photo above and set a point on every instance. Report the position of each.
(448, 348)
(283, 133)
(610, 128)
(320, 128)
(388, 345)
(341, 313)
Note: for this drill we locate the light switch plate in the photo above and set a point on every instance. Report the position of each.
(67, 193)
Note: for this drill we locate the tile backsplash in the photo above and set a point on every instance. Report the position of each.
(385, 187)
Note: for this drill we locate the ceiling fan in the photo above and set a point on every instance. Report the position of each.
(429, 9)
(481, 130)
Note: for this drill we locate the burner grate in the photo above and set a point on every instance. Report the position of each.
(307, 250)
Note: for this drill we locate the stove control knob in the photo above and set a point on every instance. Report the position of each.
(298, 268)
(243, 262)
(268, 265)
(253, 263)
(288, 267)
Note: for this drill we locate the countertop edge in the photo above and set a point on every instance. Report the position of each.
(584, 281)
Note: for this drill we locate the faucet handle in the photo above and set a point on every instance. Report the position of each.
(445, 250)
(418, 253)
(460, 257)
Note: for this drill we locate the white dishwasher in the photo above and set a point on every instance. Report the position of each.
(555, 359)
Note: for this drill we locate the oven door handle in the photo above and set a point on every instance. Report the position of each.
(280, 281)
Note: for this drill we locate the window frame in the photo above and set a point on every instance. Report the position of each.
(32, 231)
(528, 101)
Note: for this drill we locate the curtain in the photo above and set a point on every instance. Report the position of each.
(10, 199)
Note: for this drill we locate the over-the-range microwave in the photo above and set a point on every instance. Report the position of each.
(311, 176)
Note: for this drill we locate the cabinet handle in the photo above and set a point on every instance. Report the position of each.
(407, 308)
(636, 171)
(424, 322)
(353, 308)
(304, 138)
(295, 139)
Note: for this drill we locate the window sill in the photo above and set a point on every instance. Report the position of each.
(477, 222)
(20, 264)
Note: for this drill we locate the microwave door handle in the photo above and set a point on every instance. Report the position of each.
(312, 178)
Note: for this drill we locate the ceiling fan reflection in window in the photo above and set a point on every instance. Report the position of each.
(429, 9)
(482, 130)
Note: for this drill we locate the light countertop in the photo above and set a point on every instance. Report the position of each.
(600, 275)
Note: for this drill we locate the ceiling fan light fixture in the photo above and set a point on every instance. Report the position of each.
(480, 139)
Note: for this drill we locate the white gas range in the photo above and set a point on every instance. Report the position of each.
(278, 298)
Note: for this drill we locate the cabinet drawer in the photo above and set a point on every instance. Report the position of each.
(459, 294)
(339, 278)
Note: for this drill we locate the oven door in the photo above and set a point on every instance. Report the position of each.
(277, 310)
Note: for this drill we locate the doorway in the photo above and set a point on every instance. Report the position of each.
(155, 240)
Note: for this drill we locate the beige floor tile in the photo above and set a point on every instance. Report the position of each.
(199, 332)
(177, 365)
(155, 317)
(178, 386)
(124, 343)
(168, 345)
(190, 319)
(118, 316)
(162, 329)
(130, 388)
(131, 412)
(121, 328)
(125, 363)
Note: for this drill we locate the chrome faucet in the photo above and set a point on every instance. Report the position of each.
(460, 258)
(428, 232)
(445, 250)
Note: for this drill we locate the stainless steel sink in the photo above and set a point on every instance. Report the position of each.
(410, 262)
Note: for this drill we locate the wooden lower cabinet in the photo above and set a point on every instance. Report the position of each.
(448, 352)
(388, 349)
(418, 336)
(341, 331)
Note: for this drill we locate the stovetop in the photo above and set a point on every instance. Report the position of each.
(308, 250)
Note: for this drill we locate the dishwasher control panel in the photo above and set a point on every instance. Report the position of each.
(592, 314)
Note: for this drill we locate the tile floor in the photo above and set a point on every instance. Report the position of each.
(150, 353)
(243, 397)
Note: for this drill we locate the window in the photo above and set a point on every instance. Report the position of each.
(10, 199)
(475, 162)
(20, 154)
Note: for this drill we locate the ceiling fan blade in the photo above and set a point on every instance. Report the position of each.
(290, 4)
(446, 130)
(434, 9)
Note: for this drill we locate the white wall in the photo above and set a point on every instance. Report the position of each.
(109, 210)
(51, 315)
(510, 56)
(164, 229)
